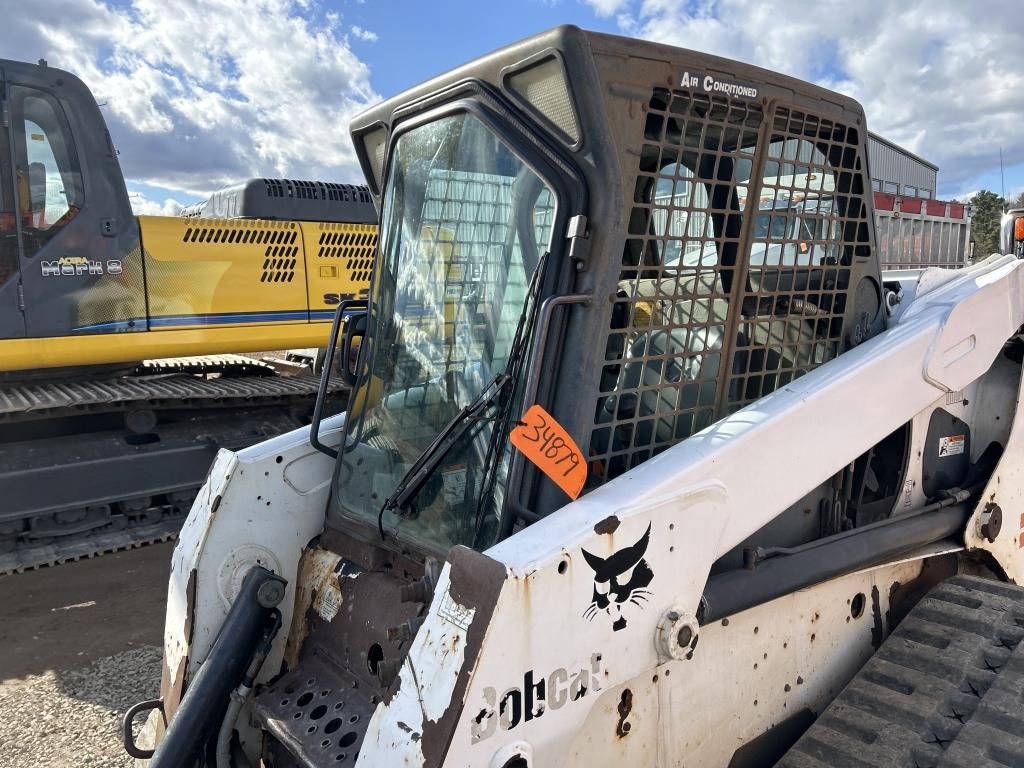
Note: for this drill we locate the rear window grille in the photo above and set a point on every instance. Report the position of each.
(811, 224)
(695, 248)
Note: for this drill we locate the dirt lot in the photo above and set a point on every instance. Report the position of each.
(78, 645)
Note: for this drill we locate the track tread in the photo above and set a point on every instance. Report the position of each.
(103, 542)
(929, 703)
(54, 398)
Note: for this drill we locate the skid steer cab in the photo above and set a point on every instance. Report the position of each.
(631, 474)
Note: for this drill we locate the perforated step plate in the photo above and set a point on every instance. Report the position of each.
(318, 716)
(946, 690)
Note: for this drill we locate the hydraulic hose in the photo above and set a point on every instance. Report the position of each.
(241, 694)
(252, 613)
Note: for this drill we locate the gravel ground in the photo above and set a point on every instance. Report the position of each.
(73, 718)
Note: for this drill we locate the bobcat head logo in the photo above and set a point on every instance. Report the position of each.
(620, 579)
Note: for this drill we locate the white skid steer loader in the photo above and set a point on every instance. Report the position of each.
(632, 473)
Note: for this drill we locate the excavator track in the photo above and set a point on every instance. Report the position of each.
(167, 387)
(160, 523)
(92, 466)
(946, 690)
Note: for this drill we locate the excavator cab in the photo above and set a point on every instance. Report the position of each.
(60, 244)
(628, 381)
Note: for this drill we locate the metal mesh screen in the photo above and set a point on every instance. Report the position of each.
(811, 223)
(734, 272)
(468, 225)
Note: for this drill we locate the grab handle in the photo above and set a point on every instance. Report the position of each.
(325, 375)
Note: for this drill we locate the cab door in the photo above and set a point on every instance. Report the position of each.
(57, 267)
(12, 318)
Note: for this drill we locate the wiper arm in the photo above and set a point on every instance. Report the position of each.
(421, 470)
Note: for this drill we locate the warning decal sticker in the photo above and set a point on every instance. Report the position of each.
(951, 446)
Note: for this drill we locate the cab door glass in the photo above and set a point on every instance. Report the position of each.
(48, 175)
(8, 215)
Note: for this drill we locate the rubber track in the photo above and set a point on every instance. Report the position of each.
(68, 549)
(33, 399)
(946, 690)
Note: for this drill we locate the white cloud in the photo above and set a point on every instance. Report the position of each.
(199, 93)
(607, 7)
(941, 77)
(364, 34)
(143, 206)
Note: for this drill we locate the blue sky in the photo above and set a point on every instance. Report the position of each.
(199, 93)
(404, 53)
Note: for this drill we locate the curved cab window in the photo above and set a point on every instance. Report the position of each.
(48, 177)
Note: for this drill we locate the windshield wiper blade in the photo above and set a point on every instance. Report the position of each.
(421, 470)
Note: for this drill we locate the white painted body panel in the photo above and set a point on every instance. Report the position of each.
(699, 500)
(260, 506)
(702, 497)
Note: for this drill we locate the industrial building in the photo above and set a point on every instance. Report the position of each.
(897, 171)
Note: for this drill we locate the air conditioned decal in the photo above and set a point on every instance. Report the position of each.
(711, 84)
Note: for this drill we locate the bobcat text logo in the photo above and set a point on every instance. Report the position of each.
(620, 579)
(536, 696)
(710, 84)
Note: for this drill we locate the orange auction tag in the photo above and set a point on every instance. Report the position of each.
(546, 443)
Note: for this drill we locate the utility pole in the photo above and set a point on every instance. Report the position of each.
(1002, 180)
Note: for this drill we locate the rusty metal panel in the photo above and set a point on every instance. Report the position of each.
(354, 618)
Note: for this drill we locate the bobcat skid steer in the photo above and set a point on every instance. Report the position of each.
(630, 475)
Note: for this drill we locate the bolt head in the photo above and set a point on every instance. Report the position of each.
(991, 522)
(684, 636)
(270, 593)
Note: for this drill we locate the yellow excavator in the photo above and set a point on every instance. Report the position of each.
(119, 372)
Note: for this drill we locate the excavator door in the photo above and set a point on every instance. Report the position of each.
(12, 320)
